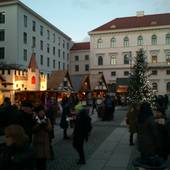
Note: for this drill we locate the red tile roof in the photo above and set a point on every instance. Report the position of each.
(81, 46)
(136, 22)
(33, 63)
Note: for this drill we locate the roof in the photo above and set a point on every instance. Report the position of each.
(76, 81)
(81, 46)
(94, 80)
(56, 78)
(33, 63)
(136, 22)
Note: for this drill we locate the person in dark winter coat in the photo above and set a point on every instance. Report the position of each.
(147, 133)
(9, 114)
(40, 141)
(65, 113)
(109, 108)
(131, 120)
(81, 131)
(26, 118)
(17, 154)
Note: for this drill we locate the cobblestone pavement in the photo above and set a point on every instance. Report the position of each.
(66, 156)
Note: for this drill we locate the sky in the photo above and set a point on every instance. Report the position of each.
(77, 17)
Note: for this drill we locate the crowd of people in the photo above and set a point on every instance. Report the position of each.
(29, 131)
(152, 128)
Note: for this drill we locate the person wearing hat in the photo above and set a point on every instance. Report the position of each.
(26, 117)
(81, 130)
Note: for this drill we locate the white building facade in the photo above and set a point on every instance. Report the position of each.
(114, 45)
(80, 58)
(22, 31)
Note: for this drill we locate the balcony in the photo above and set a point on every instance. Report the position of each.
(159, 65)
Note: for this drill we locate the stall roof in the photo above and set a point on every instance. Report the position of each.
(56, 78)
(76, 81)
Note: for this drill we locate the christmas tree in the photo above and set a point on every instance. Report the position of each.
(140, 89)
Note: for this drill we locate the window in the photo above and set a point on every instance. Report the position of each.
(155, 86)
(86, 57)
(113, 73)
(168, 58)
(2, 17)
(53, 37)
(53, 50)
(126, 59)
(33, 26)
(63, 44)
(154, 59)
(100, 60)
(126, 73)
(168, 87)
(2, 35)
(41, 45)
(126, 42)
(63, 66)
(53, 63)
(76, 58)
(154, 72)
(99, 43)
(86, 67)
(41, 59)
(41, 30)
(58, 52)
(25, 38)
(59, 65)
(48, 48)
(25, 21)
(140, 40)
(48, 62)
(63, 55)
(168, 72)
(168, 39)
(25, 55)
(76, 67)
(67, 56)
(154, 40)
(67, 46)
(48, 34)
(33, 42)
(113, 42)
(59, 41)
(113, 60)
(2, 52)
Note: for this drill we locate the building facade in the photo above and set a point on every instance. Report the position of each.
(114, 45)
(22, 30)
(80, 58)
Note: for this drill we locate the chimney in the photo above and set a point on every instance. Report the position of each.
(140, 13)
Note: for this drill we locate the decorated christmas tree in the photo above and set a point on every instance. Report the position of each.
(140, 89)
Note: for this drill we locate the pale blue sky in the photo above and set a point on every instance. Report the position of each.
(77, 17)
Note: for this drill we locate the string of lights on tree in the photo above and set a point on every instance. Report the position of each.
(140, 89)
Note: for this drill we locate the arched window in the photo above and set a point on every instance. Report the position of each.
(168, 87)
(100, 60)
(99, 43)
(155, 86)
(140, 40)
(33, 80)
(168, 39)
(154, 40)
(126, 42)
(113, 43)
